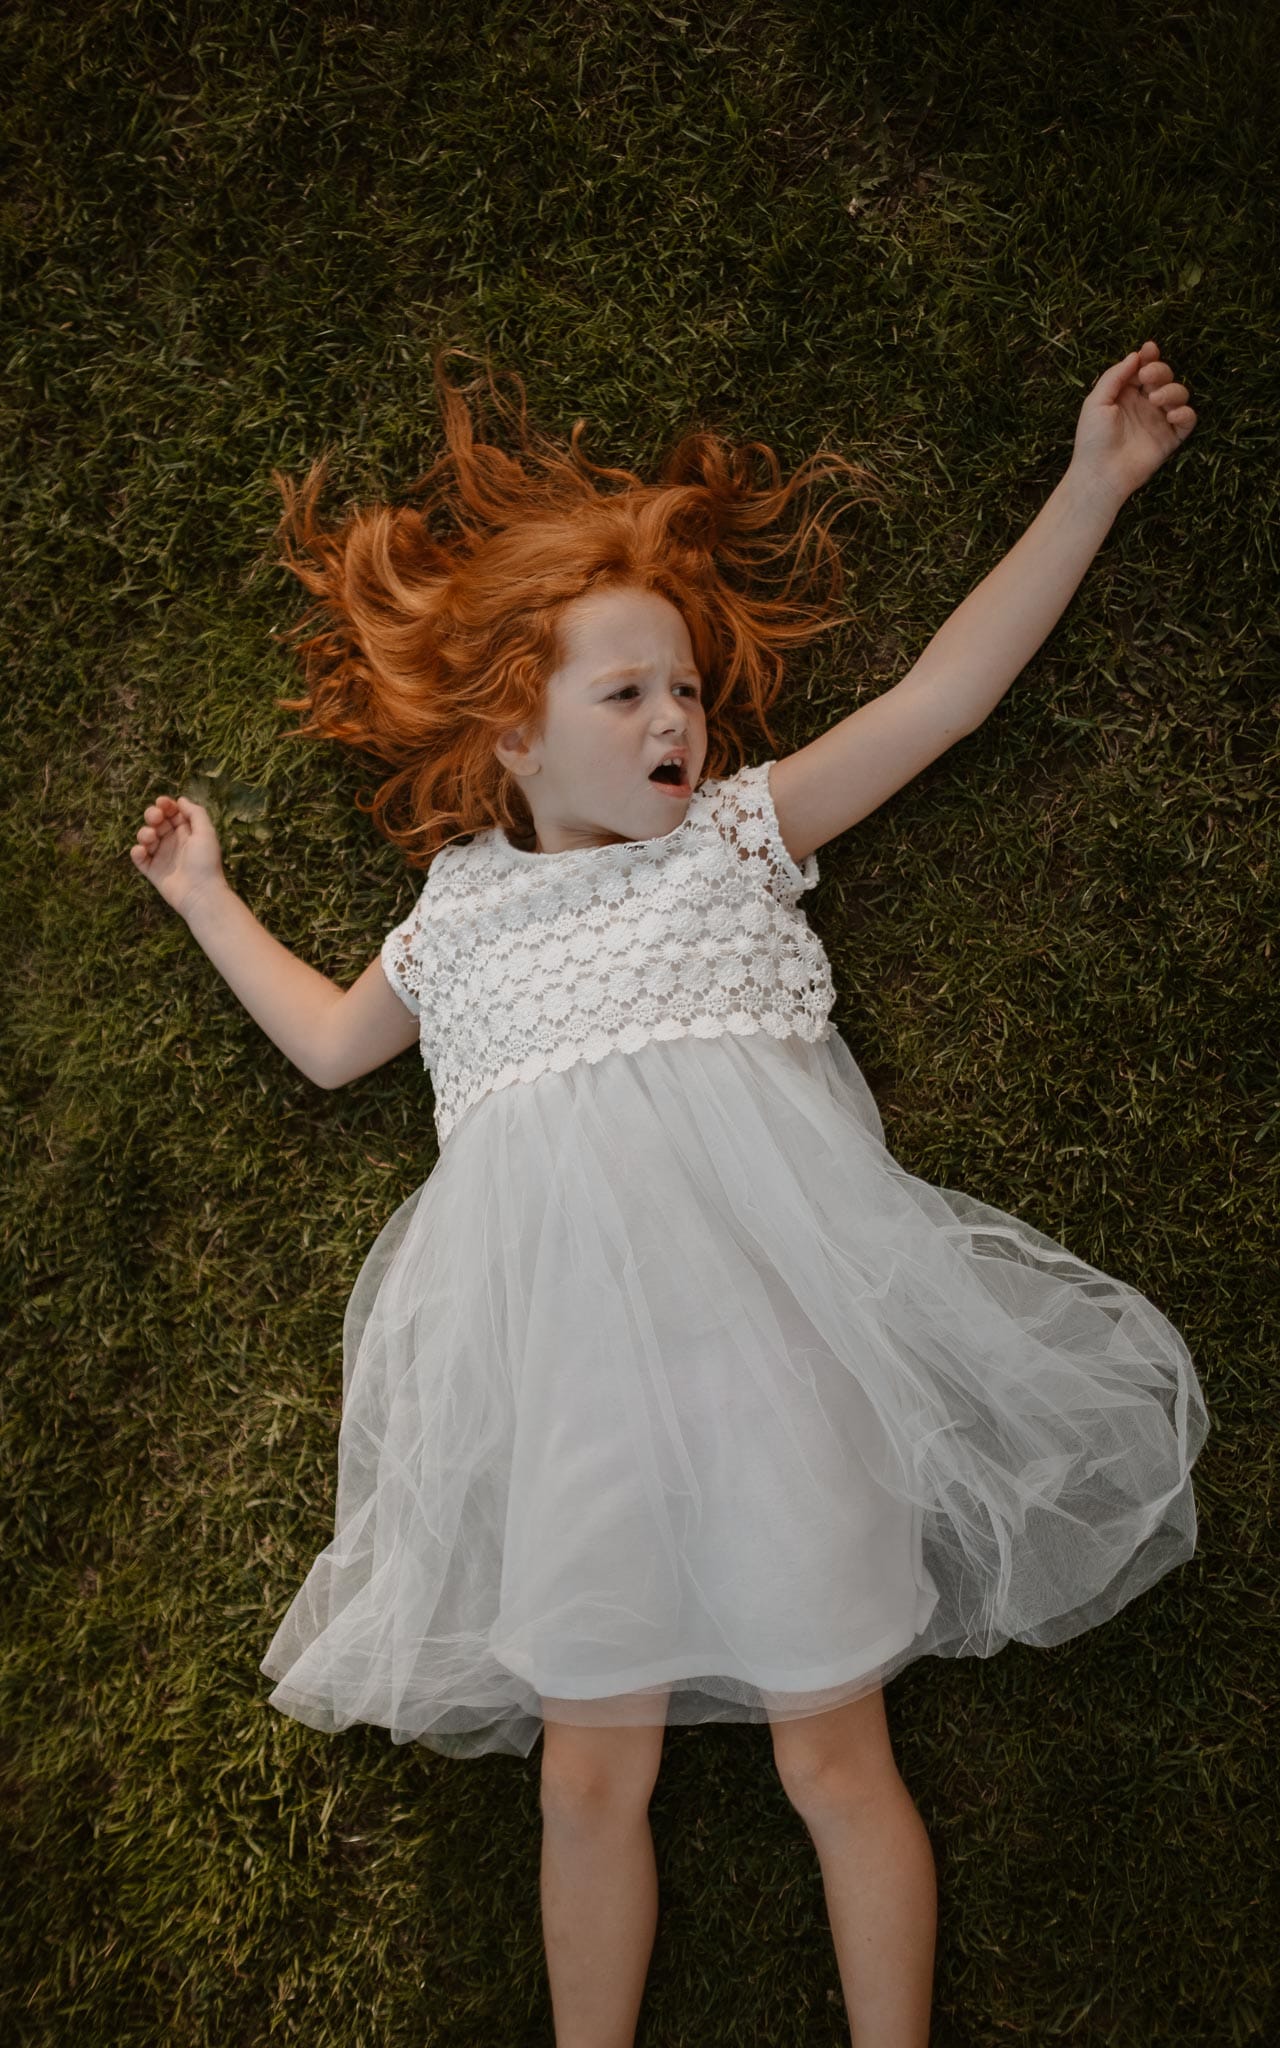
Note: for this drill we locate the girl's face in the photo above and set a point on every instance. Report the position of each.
(587, 776)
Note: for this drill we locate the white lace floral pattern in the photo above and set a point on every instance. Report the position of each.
(520, 964)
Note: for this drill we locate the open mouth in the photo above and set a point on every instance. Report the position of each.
(671, 777)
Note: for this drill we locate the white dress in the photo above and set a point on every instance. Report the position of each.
(670, 1395)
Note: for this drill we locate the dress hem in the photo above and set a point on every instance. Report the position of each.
(687, 1669)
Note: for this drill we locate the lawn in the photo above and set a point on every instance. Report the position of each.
(230, 239)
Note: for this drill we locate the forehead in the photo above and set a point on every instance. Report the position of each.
(622, 631)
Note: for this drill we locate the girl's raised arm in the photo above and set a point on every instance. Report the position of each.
(1132, 420)
(329, 1033)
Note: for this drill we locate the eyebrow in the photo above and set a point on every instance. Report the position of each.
(633, 668)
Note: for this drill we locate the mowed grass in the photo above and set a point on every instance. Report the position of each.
(231, 238)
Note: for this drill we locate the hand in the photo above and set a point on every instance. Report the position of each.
(1134, 418)
(178, 850)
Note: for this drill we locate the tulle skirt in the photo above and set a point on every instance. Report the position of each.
(670, 1396)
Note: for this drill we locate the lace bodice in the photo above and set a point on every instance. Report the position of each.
(520, 964)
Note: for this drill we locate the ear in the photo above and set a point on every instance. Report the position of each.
(515, 752)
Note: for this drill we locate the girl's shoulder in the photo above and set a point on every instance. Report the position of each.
(740, 808)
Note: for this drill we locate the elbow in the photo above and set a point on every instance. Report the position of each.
(318, 1079)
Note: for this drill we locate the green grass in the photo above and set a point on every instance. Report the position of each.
(231, 236)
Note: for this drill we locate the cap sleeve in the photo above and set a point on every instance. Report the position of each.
(741, 807)
(401, 960)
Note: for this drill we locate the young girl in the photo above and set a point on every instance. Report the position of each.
(670, 1396)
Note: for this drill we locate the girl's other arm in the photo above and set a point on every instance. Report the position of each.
(329, 1033)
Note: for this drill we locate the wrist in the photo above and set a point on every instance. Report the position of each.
(203, 897)
(1092, 492)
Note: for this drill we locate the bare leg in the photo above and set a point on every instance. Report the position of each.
(599, 1880)
(877, 1867)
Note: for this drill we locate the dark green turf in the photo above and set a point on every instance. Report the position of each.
(232, 237)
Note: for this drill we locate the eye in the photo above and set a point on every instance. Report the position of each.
(693, 688)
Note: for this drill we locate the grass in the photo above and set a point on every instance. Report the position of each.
(230, 237)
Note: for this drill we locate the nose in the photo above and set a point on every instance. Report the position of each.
(674, 712)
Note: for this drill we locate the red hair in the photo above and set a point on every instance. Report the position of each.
(439, 641)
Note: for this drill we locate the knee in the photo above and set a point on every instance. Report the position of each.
(820, 1788)
(591, 1773)
(835, 1763)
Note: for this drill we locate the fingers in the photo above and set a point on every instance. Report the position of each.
(160, 818)
(1155, 380)
(1158, 386)
(1167, 394)
(1111, 382)
(156, 820)
(1140, 360)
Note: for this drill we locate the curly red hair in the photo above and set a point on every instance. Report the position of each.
(436, 645)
